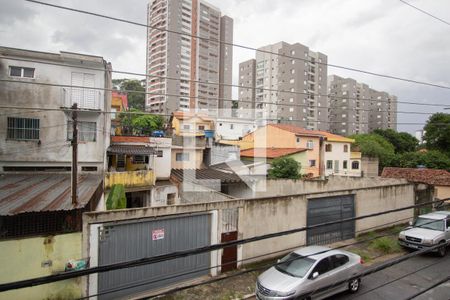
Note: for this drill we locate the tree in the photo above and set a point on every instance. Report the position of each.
(431, 159)
(402, 141)
(146, 124)
(437, 133)
(135, 100)
(374, 145)
(284, 167)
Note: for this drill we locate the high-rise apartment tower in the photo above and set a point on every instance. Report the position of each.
(184, 65)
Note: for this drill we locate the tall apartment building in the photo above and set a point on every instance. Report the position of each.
(247, 91)
(288, 90)
(187, 58)
(356, 108)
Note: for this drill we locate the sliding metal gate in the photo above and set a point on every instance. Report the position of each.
(330, 209)
(146, 238)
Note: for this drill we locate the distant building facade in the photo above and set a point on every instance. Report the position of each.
(356, 108)
(289, 88)
(186, 58)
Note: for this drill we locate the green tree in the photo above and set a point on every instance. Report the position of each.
(284, 167)
(431, 159)
(402, 141)
(374, 145)
(135, 100)
(145, 124)
(116, 198)
(437, 133)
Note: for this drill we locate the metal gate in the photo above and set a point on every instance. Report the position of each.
(146, 238)
(330, 209)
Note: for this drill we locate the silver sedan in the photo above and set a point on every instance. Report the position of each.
(307, 270)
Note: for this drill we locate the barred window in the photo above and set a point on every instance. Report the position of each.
(23, 129)
(87, 131)
(21, 72)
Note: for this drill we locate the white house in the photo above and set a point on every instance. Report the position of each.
(233, 128)
(338, 158)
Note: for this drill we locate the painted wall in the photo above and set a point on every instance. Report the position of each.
(338, 155)
(195, 159)
(442, 192)
(26, 258)
(130, 179)
(269, 136)
(193, 123)
(233, 129)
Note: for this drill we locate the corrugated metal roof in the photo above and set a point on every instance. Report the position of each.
(22, 193)
(131, 149)
(194, 175)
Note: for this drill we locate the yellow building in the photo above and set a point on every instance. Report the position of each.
(190, 124)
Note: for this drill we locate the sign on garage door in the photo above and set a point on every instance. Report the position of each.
(330, 209)
(145, 238)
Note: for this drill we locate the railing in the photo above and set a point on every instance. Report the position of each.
(130, 179)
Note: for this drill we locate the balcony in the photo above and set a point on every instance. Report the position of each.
(130, 179)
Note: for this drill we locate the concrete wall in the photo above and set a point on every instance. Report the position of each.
(270, 214)
(369, 166)
(195, 159)
(159, 194)
(442, 192)
(26, 258)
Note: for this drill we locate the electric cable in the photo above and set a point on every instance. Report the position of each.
(425, 12)
(237, 45)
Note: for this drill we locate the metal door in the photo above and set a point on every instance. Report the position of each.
(147, 238)
(330, 209)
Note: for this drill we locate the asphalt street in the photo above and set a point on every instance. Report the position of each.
(405, 279)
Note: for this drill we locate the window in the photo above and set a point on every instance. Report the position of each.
(310, 144)
(88, 169)
(328, 148)
(231, 126)
(345, 148)
(201, 127)
(21, 72)
(448, 223)
(329, 164)
(338, 260)
(345, 163)
(312, 163)
(159, 153)
(186, 126)
(298, 140)
(138, 159)
(23, 129)
(87, 131)
(322, 267)
(355, 165)
(182, 157)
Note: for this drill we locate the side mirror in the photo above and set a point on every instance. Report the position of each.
(315, 275)
(278, 261)
(410, 223)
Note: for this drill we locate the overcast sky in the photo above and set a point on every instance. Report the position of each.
(383, 36)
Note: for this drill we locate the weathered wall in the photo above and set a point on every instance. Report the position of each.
(442, 192)
(22, 259)
(369, 166)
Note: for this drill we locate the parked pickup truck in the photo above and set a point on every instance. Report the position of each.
(426, 231)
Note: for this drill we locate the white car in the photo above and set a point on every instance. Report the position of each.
(307, 270)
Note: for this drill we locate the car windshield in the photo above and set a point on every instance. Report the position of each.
(429, 224)
(295, 265)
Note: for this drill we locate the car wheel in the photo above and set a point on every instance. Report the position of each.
(443, 249)
(353, 285)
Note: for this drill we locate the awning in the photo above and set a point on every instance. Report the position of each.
(131, 149)
(23, 193)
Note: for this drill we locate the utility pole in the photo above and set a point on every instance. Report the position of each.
(74, 153)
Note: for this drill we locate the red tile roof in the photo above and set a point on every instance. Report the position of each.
(427, 176)
(129, 139)
(270, 152)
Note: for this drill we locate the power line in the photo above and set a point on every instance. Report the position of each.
(224, 84)
(232, 100)
(170, 115)
(425, 12)
(237, 45)
(188, 252)
(246, 259)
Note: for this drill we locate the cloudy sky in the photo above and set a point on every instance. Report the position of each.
(382, 36)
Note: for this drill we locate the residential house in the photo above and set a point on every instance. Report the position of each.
(142, 165)
(338, 158)
(187, 124)
(233, 128)
(39, 219)
(267, 155)
(429, 184)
